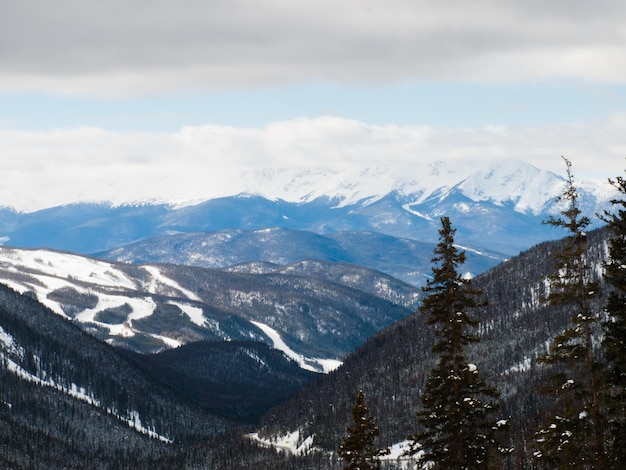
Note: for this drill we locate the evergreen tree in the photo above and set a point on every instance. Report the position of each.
(357, 449)
(572, 436)
(614, 341)
(458, 427)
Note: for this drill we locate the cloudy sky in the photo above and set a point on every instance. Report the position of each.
(134, 99)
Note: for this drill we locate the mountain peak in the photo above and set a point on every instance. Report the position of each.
(527, 187)
(356, 185)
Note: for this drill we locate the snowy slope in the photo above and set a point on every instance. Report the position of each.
(509, 180)
(45, 271)
(149, 308)
(530, 189)
(419, 180)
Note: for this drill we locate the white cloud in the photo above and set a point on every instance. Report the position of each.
(119, 47)
(43, 169)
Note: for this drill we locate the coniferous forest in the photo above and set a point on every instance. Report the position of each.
(522, 367)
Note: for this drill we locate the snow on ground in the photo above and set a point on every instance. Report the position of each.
(475, 251)
(141, 307)
(80, 393)
(170, 343)
(407, 207)
(328, 365)
(289, 443)
(158, 276)
(396, 455)
(7, 342)
(64, 265)
(292, 444)
(312, 364)
(523, 366)
(195, 314)
(41, 291)
(16, 286)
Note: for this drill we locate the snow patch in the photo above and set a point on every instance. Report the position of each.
(312, 364)
(10, 345)
(289, 443)
(397, 455)
(523, 366)
(157, 275)
(195, 314)
(169, 342)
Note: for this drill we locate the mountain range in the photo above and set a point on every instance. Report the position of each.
(57, 380)
(229, 306)
(499, 207)
(402, 258)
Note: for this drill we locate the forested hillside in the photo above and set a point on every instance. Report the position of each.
(68, 400)
(391, 368)
(239, 380)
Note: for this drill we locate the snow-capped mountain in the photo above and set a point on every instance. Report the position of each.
(500, 206)
(355, 186)
(529, 189)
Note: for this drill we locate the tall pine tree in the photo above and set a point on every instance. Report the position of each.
(357, 449)
(457, 415)
(572, 437)
(614, 341)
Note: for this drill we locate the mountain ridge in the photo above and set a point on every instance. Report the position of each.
(313, 319)
(404, 259)
(404, 202)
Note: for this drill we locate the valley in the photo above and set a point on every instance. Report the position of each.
(259, 317)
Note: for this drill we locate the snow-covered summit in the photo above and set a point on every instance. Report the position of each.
(527, 186)
(530, 189)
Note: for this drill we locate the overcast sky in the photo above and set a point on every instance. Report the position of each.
(132, 97)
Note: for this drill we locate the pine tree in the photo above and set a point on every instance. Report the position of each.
(572, 436)
(614, 341)
(458, 427)
(357, 449)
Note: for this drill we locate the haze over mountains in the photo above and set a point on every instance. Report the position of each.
(499, 207)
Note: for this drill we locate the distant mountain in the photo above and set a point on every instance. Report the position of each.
(402, 258)
(314, 318)
(499, 207)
